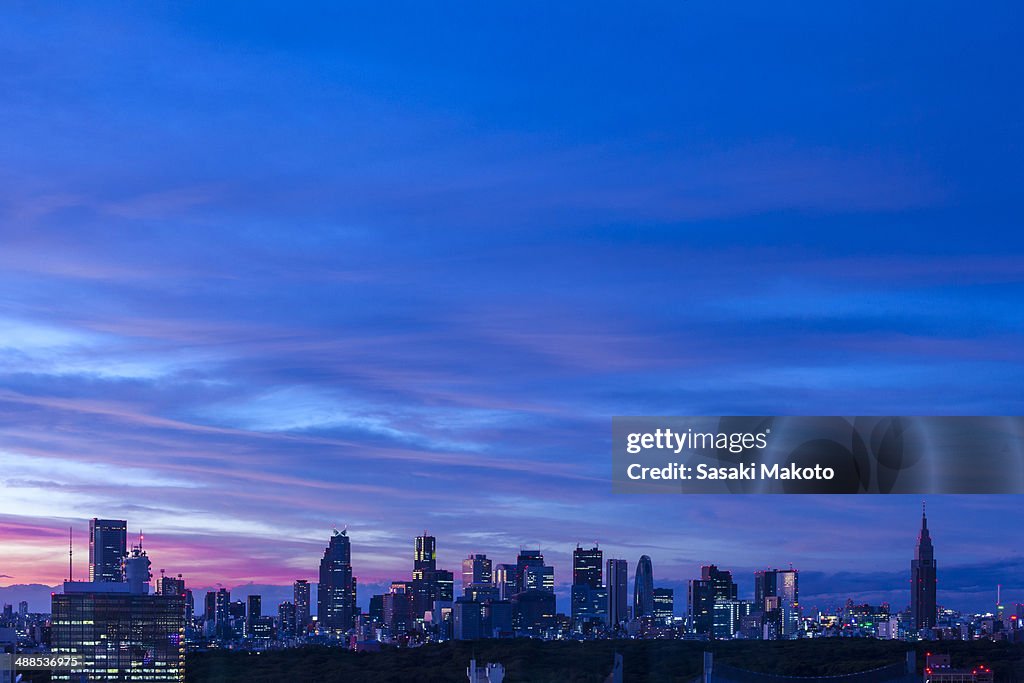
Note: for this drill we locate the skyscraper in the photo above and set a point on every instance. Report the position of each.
(712, 587)
(586, 566)
(429, 584)
(527, 558)
(426, 555)
(476, 569)
(643, 588)
(108, 547)
(505, 581)
(336, 595)
(618, 590)
(923, 579)
(253, 614)
(222, 614)
(784, 585)
(589, 597)
(116, 629)
(286, 619)
(539, 578)
(300, 596)
(664, 605)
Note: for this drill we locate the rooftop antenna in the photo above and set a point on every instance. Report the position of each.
(999, 595)
(71, 554)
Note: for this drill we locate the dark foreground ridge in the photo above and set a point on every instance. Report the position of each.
(532, 661)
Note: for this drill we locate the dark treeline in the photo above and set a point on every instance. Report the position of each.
(588, 662)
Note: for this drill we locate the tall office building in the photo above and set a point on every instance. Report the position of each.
(784, 613)
(300, 596)
(222, 614)
(505, 580)
(539, 578)
(336, 594)
(476, 569)
(253, 614)
(175, 585)
(426, 555)
(589, 597)
(108, 548)
(286, 619)
(923, 580)
(527, 558)
(533, 612)
(643, 588)
(714, 586)
(210, 611)
(664, 605)
(586, 566)
(429, 584)
(618, 590)
(236, 615)
(398, 607)
(117, 630)
(170, 585)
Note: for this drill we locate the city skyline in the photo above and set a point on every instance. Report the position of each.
(265, 275)
(423, 552)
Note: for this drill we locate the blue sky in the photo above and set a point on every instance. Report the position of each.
(267, 270)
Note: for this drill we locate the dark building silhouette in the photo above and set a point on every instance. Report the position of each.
(586, 566)
(714, 585)
(398, 609)
(236, 611)
(643, 588)
(527, 558)
(108, 548)
(618, 590)
(429, 584)
(781, 617)
(533, 612)
(336, 592)
(923, 580)
(426, 555)
(300, 596)
(589, 597)
(222, 613)
(467, 619)
(286, 619)
(376, 611)
(253, 614)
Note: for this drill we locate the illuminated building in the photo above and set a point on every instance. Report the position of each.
(714, 586)
(118, 630)
(286, 619)
(300, 596)
(336, 594)
(505, 580)
(937, 669)
(783, 584)
(476, 569)
(664, 605)
(586, 566)
(108, 548)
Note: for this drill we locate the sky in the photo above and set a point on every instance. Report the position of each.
(265, 271)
